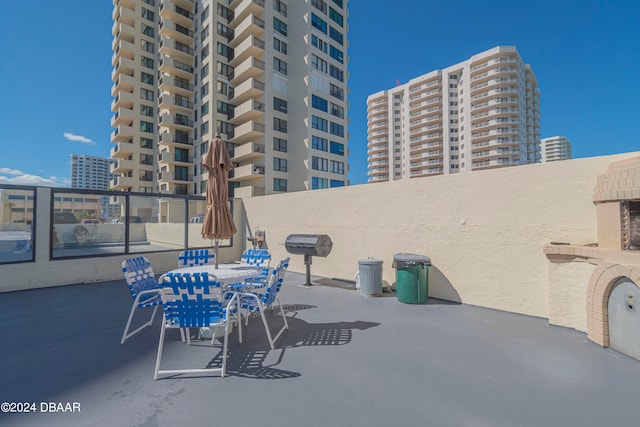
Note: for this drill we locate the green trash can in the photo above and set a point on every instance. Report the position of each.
(412, 278)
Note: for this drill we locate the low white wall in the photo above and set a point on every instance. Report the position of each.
(484, 231)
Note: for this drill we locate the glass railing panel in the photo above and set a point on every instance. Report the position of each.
(17, 228)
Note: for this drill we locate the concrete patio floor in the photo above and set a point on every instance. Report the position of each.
(346, 361)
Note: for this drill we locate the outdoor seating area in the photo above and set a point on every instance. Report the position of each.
(345, 359)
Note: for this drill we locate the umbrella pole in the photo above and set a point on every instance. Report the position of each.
(215, 259)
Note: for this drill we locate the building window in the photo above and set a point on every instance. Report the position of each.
(337, 110)
(280, 144)
(318, 183)
(319, 103)
(337, 183)
(204, 52)
(336, 92)
(146, 142)
(319, 164)
(204, 128)
(336, 54)
(204, 33)
(318, 63)
(204, 109)
(146, 78)
(336, 73)
(279, 184)
(146, 127)
(147, 46)
(279, 45)
(181, 173)
(318, 43)
(336, 35)
(147, 14)
(204, 90)
(147, 62)
(318, 23)
(336, 129)
(279, 104)
(337, 148)
(224, 69)
(319, 123)
(279, 26)
(146, 159)
(280, 6)
(146, 110)
(320, 5)
(335, 16)
(279, 164)
(279, 65)
(225, 51)
(338, 2)
(146, 176)
(318, 143)
(204, 71)
(147, 30)
(146, 94)
(337, 167)
(279, 125)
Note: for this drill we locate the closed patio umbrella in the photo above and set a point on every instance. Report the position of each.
(218, 222)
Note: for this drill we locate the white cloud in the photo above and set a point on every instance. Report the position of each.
(28, 179)
(79, 138)
(8, 171)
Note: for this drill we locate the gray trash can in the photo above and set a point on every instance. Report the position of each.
(370, 271)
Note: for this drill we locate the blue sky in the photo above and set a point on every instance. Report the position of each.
(56, 71)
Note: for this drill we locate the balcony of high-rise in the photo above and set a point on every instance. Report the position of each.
(248, 131)
(175, 31)
(176, 85)
(123, 133)
(122, 166)
(249, 89)
(175, 138)
(251, 171)
(250, 67)
(243, 8)
(248, 151)
(177, 14)
(251, 25)
(251, 47)
(176, 49)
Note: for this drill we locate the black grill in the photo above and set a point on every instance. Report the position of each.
(309, 245)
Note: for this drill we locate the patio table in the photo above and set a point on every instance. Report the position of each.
(225, 273)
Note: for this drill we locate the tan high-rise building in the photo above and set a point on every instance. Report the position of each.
(482, 113)
(269, 75)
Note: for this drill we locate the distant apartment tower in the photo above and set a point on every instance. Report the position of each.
(269, 75)
(555, 148)
(482, 113)
(91, 172)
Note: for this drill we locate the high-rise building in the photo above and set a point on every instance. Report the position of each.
(91, 172)
(269, 75)
(555, 148)
(482, 113)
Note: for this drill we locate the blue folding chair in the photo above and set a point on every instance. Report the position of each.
(194, 300)
(144, 290)
(258, 302)
(193, 257)
(260, 258)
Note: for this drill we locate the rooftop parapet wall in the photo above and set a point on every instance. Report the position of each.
(485, 231)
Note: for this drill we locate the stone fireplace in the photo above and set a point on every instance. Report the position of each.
(613, 293)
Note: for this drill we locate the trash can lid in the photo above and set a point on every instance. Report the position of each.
(370, 261)
(411, 259)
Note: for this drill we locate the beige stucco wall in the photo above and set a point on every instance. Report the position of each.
(484, 231)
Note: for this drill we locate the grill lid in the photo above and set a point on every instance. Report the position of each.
(309, 244)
